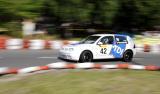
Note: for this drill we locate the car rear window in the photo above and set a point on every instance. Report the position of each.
(121, 39)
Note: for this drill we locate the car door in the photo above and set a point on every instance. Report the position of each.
(119, 46)
(103, 47)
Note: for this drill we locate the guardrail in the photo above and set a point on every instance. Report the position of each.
(33, 44)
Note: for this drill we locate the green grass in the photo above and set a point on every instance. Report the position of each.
(85, 82)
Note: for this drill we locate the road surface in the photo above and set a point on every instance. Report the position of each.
(29, 58)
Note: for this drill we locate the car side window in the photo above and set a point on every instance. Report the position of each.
(121, 39)
(107, 40)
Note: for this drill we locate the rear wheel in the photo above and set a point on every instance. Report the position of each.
(127, 56)
(86, 56)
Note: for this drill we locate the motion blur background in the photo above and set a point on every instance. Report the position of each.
(30, 24)
(70, 19)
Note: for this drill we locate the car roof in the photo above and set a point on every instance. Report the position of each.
(109, 35)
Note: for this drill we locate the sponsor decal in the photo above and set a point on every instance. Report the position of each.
(117, 50)
(103, 46)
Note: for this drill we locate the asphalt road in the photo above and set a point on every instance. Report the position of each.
(28, 58)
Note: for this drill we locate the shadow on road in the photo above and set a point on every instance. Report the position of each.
(102, 61)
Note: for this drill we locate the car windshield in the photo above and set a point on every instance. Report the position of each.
(89, 40)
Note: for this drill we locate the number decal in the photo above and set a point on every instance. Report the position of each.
(103, 51)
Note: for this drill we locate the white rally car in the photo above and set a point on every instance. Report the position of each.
(100, 46)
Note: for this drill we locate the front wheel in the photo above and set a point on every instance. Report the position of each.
(127, 56)
(86, 56)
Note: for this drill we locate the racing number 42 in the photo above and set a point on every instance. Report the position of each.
(103, 51)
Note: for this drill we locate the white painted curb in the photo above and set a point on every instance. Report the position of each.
(3, 70)
(86, 65)
(58, 65)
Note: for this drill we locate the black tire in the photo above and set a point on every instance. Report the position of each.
(86, 56)
(127, 56)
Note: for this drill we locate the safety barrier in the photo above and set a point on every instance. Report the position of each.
(38, 44)
(87, 65)
(154, 48)
(3, 42)
(14, 44)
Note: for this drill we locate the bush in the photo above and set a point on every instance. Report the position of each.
(13, 29)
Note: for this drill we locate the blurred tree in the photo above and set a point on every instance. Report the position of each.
(18, 9)
(80, 10)
(29, 9)
(123, 15)
(127, 16)
(137, 14)
(149, 13)
(73, 10)
(13, 11)
(103, 11)
(5, 13)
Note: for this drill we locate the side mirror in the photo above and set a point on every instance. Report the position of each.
(99, 43)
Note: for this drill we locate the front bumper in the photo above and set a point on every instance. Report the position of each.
(68, 56)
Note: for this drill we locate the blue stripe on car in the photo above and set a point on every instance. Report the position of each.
(117, 50)
(75, 44)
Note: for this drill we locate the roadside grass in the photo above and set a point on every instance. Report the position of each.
(85, 82)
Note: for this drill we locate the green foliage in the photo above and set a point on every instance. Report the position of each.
(137, 14)
(104, 11)
(27, 8)
(13, 11)
(13, 29)
(67, 10)
(120, 14)
(20, 8)
(149, 12)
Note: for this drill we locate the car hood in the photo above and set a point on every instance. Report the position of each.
(75, 46)
(78, 45)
